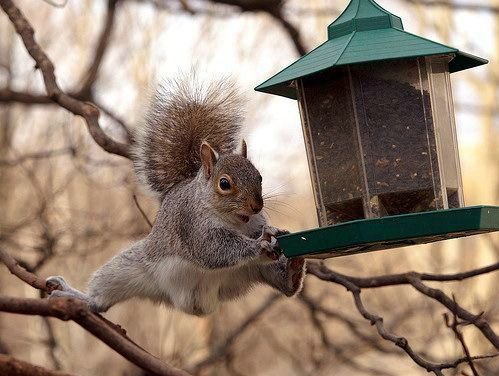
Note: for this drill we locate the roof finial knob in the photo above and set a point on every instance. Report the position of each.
(361, 15)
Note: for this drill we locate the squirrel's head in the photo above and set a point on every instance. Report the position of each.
(235, 184)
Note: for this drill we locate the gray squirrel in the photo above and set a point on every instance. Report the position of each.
(210, 242)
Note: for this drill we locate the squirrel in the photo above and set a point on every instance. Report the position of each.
(210, 242)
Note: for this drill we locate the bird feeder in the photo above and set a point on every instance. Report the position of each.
(378, 121)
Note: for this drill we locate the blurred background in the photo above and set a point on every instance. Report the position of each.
(66, 205)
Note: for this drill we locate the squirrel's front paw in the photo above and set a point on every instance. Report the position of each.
(269, 248)
(271, 231)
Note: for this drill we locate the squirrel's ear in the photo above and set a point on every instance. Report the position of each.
(244, 149)
(208, 158)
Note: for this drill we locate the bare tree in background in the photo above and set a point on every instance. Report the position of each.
(384, 321)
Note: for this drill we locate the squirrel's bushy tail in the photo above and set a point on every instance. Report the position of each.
(183, 114)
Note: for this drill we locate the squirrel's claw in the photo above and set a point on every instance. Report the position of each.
(279, 231)
(269, 231)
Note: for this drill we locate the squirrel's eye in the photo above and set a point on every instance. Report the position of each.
(224, 184)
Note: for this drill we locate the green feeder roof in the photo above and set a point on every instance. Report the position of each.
(363, 32)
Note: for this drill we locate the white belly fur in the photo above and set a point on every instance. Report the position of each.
(188, 287)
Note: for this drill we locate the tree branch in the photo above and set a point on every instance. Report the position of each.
(343, 353)
(415, 279)
(354, 285)
(38, 155)
(69, 309)
(14, 267)
(118, 120)
(11, 366)
(471, 6)
(459, 336)
(451, 305)
(102, 45)
(353, 326)
(221, 350)
(85, 109)
(454, 5)
(402, 278)
(292, 31)
(8, 96)
(275, 9)
(12, 96)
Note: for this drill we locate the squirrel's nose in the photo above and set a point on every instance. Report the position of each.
(256, 205)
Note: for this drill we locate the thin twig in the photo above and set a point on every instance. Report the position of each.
(102, 46)
(141, 211)
(471, 6)
(477, 320)
(219, 351)
(454, 326)
(38, 155)
(51, 343)
(118, 120)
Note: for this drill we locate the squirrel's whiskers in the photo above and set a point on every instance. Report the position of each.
(281, 209)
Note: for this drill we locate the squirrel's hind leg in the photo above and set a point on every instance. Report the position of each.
(286, 275)
(124, 276)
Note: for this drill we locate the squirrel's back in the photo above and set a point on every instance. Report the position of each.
(182, 115)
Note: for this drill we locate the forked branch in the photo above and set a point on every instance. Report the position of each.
(354, 286)
(84, 109)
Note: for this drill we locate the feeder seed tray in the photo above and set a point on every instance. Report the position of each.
(367, 235)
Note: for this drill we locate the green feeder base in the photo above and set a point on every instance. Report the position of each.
(366, 235)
